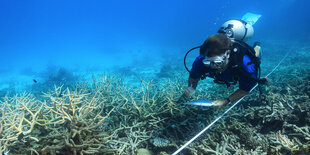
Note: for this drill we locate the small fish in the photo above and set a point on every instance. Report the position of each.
(35, 81)
(204, 103)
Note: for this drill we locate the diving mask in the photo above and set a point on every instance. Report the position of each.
(217, 62)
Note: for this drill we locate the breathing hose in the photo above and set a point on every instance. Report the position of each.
(186, 56)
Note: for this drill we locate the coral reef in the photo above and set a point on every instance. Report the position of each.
(160, 142)
(18, 118)
(70, 122)
(80, 117)
(111, 115)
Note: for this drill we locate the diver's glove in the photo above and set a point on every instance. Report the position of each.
(262, 81)
(220, 103)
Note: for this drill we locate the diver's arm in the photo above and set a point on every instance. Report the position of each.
(194, 76)
(238, 94)
(192, 82)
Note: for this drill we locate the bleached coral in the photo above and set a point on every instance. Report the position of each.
(17, 120)
(160, 142)
(282, 140)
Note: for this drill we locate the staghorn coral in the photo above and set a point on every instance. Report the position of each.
(129, 139)
(228, 145)
(140, 114)
(17, 121)
(65, 122)
(145, 109)
(160, 142)
(75, 122)
(283, 141)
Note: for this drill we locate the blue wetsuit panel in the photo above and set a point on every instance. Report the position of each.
(198, 68)
(246, 83)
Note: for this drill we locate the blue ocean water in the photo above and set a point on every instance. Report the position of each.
(72, 43)
(39, 37)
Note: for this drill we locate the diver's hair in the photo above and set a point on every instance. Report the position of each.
(215, 45)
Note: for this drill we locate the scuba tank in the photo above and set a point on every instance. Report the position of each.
(240, 31)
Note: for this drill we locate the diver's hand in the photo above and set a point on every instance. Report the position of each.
(219, 103)
(189, 92)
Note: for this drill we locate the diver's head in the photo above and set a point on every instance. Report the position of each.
(216, 50)
(237, 29)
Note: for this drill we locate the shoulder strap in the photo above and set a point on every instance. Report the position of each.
(238, 50)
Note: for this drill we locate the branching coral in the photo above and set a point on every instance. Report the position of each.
(304, 131)
(108, 113)
(151, 100)
(81, 115)
(129, 138)
(138, 115)
(18, 118)
(282, 140)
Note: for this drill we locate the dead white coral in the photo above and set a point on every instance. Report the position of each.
(283, 140)
(160, 142)
(18, 117)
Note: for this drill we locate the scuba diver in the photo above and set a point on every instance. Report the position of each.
(227, 59)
